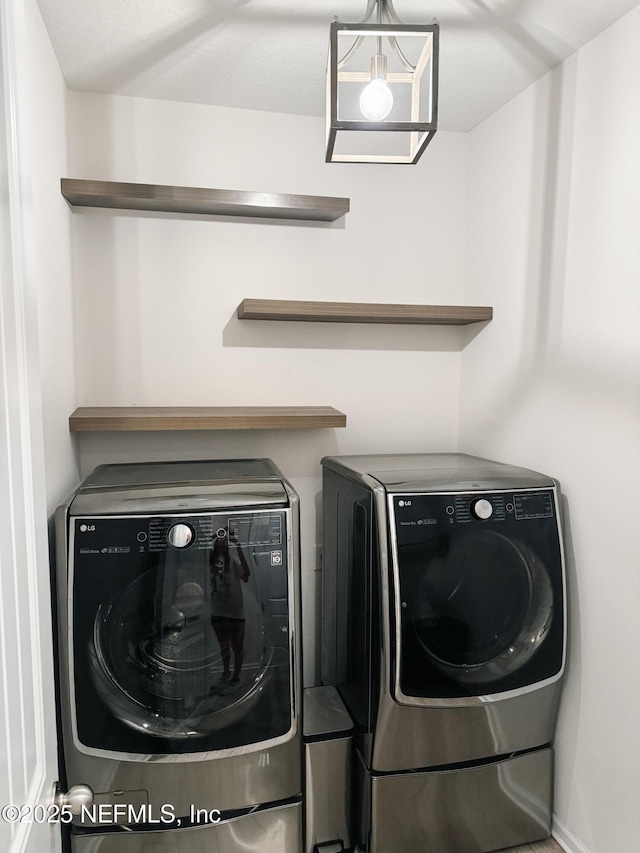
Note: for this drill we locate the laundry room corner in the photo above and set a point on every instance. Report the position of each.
(551, 383)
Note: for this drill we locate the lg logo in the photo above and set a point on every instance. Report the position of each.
(404, 503)
(87, 528)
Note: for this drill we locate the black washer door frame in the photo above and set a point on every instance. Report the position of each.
(168, 753)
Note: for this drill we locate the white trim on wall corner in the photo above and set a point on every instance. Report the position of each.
(566, 839)
(27, 731)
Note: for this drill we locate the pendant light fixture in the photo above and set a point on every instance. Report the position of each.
(382, 88)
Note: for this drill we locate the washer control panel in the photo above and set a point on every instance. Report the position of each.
(162, 534)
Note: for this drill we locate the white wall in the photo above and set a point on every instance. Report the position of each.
(50, 243)
(156, 294)
(554, 383)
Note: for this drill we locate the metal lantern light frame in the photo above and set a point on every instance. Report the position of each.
(419, 129)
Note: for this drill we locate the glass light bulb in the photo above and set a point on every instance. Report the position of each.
(376, 100)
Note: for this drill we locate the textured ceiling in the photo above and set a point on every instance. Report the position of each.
(271, 54)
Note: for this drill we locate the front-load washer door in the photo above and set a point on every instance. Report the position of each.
(479, 606)
(180, 634)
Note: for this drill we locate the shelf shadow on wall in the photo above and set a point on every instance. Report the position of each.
(282, 334)
(257, 220)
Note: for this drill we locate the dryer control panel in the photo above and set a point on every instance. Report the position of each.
(418, 511)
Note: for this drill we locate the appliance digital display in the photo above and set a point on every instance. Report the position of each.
(533, 505)
(255, 530)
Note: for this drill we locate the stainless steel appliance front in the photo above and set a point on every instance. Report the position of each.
(178, 636)
(268, 829)
(473, 810)
(444, 612)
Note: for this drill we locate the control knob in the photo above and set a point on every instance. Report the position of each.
(180, 535)
(482, 509)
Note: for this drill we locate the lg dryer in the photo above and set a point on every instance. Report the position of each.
(444, 629)
(179, 659)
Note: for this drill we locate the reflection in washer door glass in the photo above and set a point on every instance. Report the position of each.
(192, 651)
(475, 609)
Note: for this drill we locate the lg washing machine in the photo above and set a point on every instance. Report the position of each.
(179, 659)
(445, 633)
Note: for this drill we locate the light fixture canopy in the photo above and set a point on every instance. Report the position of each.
(382, 88)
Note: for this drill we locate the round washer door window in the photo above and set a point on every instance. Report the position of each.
(155, 659)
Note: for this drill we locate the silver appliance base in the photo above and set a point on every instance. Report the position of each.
(277, 830)
(469, 810)
(413, 736)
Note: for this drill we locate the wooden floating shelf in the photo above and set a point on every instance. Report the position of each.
(202, 201)
(361, 312)
(140, 418)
